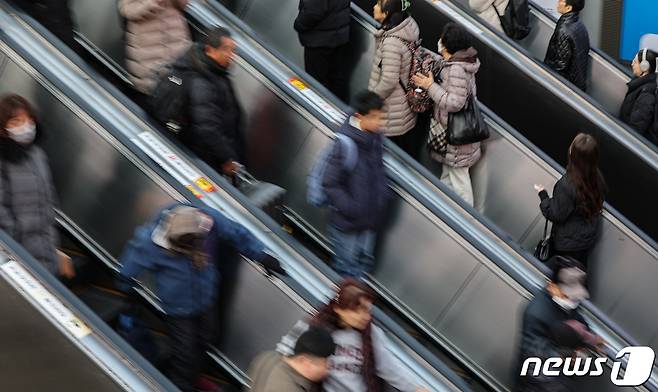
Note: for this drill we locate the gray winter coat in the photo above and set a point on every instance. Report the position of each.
(489, 11)
(156, 35)
(391, 66)
(449, 93)
(28, 200)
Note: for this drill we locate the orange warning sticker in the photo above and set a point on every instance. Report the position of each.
(297, 83)
(205, 185)
(194, 191)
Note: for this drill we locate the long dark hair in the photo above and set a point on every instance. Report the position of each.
(394, 13)
(583, 171)
(349, 296)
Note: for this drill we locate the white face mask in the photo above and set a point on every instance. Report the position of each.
(23, 134)
(441, 47)
(566, 303)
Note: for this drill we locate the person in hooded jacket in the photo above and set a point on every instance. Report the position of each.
(324, 31)
(357, 197)
(361, 360)
(568, 49)
(390, 72)
(639, 106)
(214, 129)
(553, 326)
(27, 211)
(490, 11)
(458, 64)
(181, 248)
(156, 35)
(577, 202)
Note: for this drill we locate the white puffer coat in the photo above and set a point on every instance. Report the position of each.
(156, 35)
(391, 66)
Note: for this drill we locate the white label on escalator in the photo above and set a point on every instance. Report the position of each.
(312, 96)
(24, 281)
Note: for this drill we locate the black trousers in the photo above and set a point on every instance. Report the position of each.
(189, 336)
(329, 66)
(413, 141)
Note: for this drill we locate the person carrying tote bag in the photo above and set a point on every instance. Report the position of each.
(455, 106)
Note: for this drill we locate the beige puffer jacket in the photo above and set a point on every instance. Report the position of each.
(391, 66)
(449, 93)
(489, 10)
(156, 34)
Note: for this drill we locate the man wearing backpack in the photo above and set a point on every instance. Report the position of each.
(212, 126)
(356, 194)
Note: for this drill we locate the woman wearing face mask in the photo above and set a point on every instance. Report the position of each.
(640, 102)
(458, 65)
(577, 202)
(361, 359)
(26, 188)
(390, 70)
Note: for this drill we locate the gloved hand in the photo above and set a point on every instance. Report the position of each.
(271, 264)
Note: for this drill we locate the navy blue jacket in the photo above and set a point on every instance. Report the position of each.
(184, 289)
(357, 199)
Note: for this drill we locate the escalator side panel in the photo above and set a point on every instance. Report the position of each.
(102, 25)
(95, 182)
(491, 310)
(37, 356)
(551, 123)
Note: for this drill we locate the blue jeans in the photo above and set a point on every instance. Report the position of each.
(353, 252)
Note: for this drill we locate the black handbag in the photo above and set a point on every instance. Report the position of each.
(266, 196)
(544, 249)
(467, 125)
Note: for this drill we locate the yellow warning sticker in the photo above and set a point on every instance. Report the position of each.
(194, 191)
(205, 185)
(297, 83)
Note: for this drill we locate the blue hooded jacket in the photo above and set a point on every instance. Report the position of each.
(183, 289)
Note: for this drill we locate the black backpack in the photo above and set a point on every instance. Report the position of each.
(516, 19)
(169, 99)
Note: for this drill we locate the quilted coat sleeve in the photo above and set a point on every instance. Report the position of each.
(480, 6)
(451, 95)
(392, 51)
(137, 10)
(562, 53)
(559, 207)
(335, 183)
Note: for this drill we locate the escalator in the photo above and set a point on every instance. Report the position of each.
(476, 269)
(113, 172)
(52, 341)
(519, 89)
(415, 232)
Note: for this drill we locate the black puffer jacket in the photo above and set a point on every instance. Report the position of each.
(571, 231)
(568, 50)
(214, 113)
(54, 15)
(639, 105)
(539, 319)
(323, 23)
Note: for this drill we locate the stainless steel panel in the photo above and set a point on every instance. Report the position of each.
(422, 261)
(252, 326)
(274, 133)
(95, 182)
(99, 22)
(503, 183)
(485, 323)
(276, 26)
(37, 356)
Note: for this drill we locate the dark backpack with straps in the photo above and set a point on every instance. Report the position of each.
(169, 99)
(516, 19)
(423, 62)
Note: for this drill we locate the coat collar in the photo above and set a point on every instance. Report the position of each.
(636, 83)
